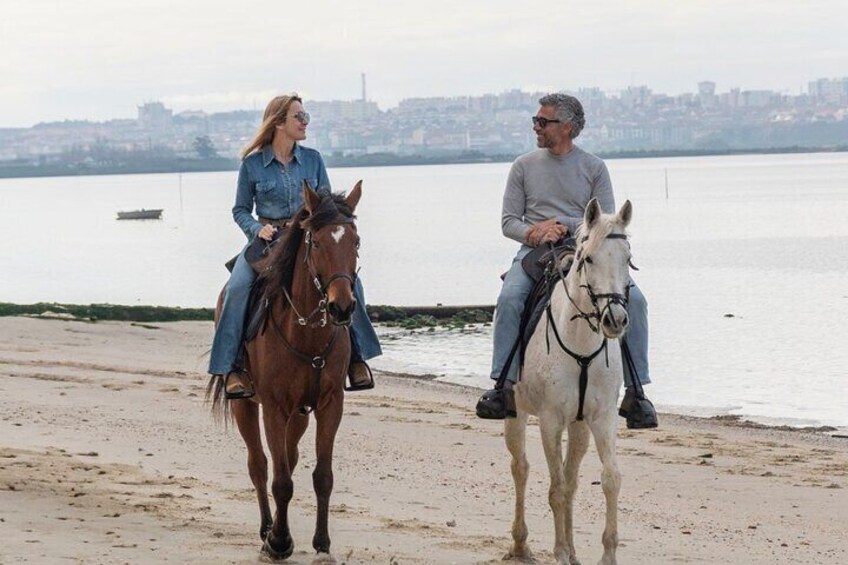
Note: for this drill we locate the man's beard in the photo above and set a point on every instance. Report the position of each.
(543, 141)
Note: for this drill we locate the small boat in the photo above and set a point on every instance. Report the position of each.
(141, 215)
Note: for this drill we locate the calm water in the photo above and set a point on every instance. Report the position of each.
(763, 238)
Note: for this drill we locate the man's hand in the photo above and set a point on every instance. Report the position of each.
(267, 232)
(544, 232)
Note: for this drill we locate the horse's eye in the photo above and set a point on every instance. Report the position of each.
(357, 243)
(588, 259)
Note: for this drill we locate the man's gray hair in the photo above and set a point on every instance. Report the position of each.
(568, 109)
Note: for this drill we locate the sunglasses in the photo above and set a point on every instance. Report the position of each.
(302, 117)
(543, 122)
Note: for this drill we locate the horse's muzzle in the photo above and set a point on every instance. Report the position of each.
(341, 316)
(614, 321)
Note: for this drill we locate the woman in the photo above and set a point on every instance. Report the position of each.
(273, 169)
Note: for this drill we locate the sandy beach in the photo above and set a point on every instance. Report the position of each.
(108, 455)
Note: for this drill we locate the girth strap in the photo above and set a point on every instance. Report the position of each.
(583, 360)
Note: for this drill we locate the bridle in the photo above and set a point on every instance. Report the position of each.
(320, 287)
(581, 266)
(596, 314)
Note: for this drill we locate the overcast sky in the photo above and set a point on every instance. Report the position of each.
(98, 59)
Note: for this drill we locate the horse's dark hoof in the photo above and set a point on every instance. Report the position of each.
(276, 550)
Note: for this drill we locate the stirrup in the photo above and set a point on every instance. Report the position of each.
(362, 386)
(639, 411)
(247, 390)
(497, 404)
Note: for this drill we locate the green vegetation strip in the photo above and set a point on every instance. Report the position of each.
(107, 312)
(406, 316)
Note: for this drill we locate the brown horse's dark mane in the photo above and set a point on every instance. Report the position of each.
(331, 209)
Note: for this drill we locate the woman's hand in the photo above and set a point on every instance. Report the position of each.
(267, 232)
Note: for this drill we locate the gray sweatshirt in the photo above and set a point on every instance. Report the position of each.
(542, 185)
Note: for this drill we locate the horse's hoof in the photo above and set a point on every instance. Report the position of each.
(522, 556)
(277, 551)
(324, 559)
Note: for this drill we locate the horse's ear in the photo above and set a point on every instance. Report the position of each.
(625, 214)
(310, 198)
(593, 212)
(354, 196)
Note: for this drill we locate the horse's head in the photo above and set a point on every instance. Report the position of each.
(603, 261)
(332, 246)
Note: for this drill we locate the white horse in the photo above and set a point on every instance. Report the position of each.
(587, 309)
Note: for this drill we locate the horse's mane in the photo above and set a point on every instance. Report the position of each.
(604, 225)
(280, 270)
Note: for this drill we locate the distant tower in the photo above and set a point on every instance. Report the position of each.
(706, 88)
(364, 97)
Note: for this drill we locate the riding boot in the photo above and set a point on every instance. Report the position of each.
(359, 376)
(638, 410)
(238, 384)
(497, 403)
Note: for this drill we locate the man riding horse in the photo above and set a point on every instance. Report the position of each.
(546, 196)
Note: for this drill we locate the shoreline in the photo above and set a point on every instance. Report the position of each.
(108, 454)
(14, 171)
(726, 420)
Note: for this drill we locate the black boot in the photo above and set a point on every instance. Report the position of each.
(497, 403)
(638, 410)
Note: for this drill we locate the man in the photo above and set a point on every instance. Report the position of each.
(546, 195)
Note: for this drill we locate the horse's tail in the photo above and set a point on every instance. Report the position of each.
(217, 400)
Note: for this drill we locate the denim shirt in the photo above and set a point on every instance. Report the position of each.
(275, 189)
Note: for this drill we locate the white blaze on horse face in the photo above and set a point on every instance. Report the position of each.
(338, 233)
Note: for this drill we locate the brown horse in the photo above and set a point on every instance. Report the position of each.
(299, 361)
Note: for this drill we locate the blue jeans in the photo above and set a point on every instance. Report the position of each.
(227, 344)
(517, 286)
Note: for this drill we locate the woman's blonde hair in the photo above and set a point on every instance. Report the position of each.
(275, 114)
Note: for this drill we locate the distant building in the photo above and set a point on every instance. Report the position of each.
(154, 116)
(829, 91)
(706, 93)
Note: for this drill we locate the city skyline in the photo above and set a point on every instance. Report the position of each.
(99, 60)
(175, 109)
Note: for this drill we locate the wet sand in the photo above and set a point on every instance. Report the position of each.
(108, 455)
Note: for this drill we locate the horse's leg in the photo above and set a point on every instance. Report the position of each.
(604, 431)
(328, 419)
(279, 545)
(578, 443)
(551, 431)
(246, 414)
(295, 430)
(515, 434)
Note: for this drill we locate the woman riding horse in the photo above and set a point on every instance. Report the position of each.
(273, 171)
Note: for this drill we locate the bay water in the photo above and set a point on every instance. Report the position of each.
(743, 260)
